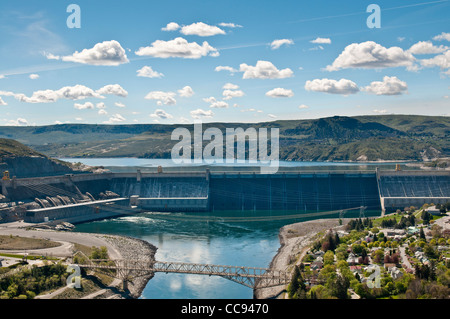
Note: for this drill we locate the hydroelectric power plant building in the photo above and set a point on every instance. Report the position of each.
(80, 197)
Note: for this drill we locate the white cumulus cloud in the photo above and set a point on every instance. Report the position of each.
(264, 70)
(161, 114)
(389, 86)
(442, 61)
(113, 89)
(2, 102)
(210, 99)
(371, 55)
(116, 118)
(201, 29)
(321, 41)
(280, 92)
(85, 106)
(225, 68)
(104, 53)
(230, 25)
(187, 91)
(199, 113)
(343, 86)
(148, 72)
(229, 94)
(426, 47)
(76, 92)
(442, 36)
(172, 26)
(213, 103)
(34, 76)
(19, 122)
(276, 44)
(219, 105)
(230, 86)
(167, 98)
(177, 48)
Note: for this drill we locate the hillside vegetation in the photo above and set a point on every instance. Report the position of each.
(10, 147)
(338, 138)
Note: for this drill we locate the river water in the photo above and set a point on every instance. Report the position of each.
(248, 243)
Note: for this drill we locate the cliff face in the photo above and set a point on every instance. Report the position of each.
(33, 166)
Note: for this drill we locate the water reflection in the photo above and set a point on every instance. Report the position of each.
(251, 244)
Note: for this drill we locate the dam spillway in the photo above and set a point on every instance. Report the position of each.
(240, 190)
(293, 192)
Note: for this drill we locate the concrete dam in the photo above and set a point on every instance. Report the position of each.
(84, 197)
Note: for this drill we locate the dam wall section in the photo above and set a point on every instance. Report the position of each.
(239, 190)
(299, 192)
(400, 189)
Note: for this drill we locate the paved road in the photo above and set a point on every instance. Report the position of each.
(66, 238)
(404, 257)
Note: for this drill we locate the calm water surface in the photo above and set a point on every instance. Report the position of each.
(251, 244)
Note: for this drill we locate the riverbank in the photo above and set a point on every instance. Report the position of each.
(134, 249)
(119, 247)
(295, 241)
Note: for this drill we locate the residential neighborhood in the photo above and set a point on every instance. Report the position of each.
(404, 255)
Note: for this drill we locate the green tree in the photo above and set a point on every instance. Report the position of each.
(296, 288)
(328, 258)
(358, 249)
(340, 287)
(422, 234)
(99, 253)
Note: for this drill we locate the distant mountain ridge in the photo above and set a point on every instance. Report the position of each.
(338, 138)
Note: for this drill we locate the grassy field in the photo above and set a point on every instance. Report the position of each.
(24, 243)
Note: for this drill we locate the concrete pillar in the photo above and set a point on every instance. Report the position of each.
(134, 199)
(138, 176)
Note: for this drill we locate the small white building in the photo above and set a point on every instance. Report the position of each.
(352, 259)
(395, 272)
(433, 210)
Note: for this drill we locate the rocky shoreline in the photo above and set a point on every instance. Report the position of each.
(136, 249)
(295, 240)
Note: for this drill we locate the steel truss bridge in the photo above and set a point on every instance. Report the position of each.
(129, 269)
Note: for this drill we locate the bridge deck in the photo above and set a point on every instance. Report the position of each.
(252, 277)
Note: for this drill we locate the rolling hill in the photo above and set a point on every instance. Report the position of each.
(338, 138)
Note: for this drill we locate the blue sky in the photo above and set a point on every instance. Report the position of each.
(221, 61)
